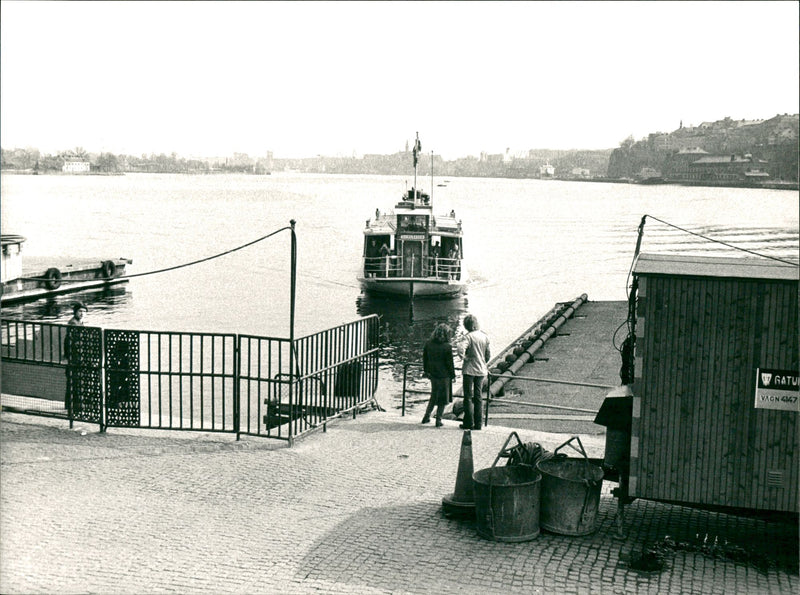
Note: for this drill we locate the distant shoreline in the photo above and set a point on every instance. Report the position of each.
(769, 185)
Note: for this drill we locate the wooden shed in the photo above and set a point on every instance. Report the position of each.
(715, 402)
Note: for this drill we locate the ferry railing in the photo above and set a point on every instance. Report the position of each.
(392, 266)
(383, 266)
(442, 268)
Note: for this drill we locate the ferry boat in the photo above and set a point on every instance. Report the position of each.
(17, 285)
(410, 252)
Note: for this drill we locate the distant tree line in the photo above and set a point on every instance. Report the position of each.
(32, 160)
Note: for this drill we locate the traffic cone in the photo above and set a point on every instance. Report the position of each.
(462, 501)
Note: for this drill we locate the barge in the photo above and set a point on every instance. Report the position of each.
(18, 286)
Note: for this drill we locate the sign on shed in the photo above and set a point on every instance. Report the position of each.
(777, 389)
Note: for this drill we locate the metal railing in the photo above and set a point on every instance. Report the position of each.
(406, 390)
(493, 377)
(490, 394)
(171, 380)
(206, 382)
(392, 266)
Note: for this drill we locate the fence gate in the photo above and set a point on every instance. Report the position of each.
(171, 380)
(285, 394)
(84, 349)
(122, 378)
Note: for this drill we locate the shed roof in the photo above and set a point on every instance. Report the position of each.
(715, 266)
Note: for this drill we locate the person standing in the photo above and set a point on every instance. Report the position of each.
(437, 363)
(385, 252)
(71, 353)
(436, 252)
(474, 350)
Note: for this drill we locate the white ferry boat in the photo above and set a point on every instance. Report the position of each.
(410, 252)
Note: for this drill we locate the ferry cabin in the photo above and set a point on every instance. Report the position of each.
(413, 244)
(12, 258)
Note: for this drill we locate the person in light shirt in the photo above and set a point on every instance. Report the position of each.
(474, 350)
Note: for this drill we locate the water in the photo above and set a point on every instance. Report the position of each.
(528, 244)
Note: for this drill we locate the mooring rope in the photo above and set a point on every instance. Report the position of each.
(721, 242)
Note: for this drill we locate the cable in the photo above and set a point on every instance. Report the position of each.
(177, 266)
(724, 243)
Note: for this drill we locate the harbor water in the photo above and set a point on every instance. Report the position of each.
(527, 245)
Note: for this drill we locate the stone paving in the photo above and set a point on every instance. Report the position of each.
(356, 509)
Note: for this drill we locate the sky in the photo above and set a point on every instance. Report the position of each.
(347, 78)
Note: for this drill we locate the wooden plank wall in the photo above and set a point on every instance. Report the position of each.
(697, 437)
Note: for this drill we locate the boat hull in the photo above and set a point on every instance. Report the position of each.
(413, 287)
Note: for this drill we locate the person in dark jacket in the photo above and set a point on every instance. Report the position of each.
(72, 355)
(437, 363)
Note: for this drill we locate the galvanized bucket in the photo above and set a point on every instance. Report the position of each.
(570, 493)
(507, 502)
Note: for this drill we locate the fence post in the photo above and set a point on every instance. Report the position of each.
(292, 294)
(103, 383)
(237, 389)
(488, 398)
(405, 374)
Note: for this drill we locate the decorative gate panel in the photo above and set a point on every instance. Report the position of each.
(122, 378)
(84, 349)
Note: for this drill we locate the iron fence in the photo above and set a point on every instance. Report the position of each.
(170, 380)
(209, 382)
(287, 392)
(52, 369)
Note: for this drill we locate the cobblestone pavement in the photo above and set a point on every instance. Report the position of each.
(354, 510)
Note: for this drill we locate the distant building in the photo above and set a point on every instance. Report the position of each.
(547, 170)
(660, 141)
(75, 166)
(727, 168)
(677, 165)
(580, 172)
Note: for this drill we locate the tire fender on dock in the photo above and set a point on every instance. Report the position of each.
(52, 278)
(108, 269)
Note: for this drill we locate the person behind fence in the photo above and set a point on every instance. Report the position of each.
(473, 347)
(71, 350)
(437, 364)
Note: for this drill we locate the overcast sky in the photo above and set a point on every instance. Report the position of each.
(337, 78)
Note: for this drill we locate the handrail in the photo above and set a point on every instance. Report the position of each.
(406, 365)
(489, 399)
(392, 265)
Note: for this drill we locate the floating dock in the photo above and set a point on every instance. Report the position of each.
(563, 382)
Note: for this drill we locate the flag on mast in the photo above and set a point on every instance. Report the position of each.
(417, 150)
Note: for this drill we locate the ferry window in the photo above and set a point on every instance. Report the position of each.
(374, 244)
(413, 222)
